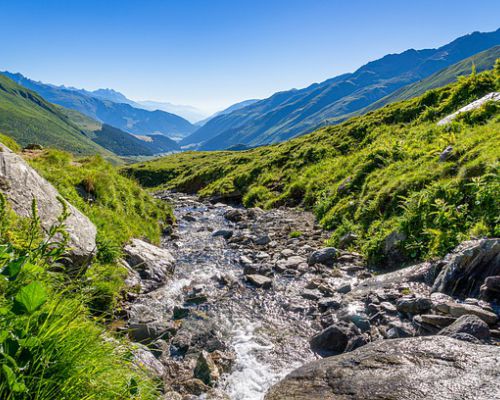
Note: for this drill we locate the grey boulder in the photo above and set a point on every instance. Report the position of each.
(21, 184)
(426, 368)
(469, 324)
(153, 263)
(324, 256)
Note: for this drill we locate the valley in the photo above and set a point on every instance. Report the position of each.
(337, 241)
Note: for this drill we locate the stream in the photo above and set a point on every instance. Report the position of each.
(267, 330)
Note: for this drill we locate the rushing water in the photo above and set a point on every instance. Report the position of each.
(268, 341)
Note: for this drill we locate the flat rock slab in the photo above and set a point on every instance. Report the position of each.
(421, 368)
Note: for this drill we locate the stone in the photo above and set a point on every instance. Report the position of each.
(469, 324)
(195, 386)
(154, 264)
(392, 251)
(245, 260)
(147, 332)
(329, 303)
(225, 233)
(260, 281)
(439, 321)
(287, 253)
(21, 184)
(343, 289)
(180, 312)
(413, 305)
(465, 269)
(311, 294)
(446, 154)
(347, 240)
(293, 262)
(457, 310)
(332, 340)
(234, 215)
(262, 240)
(145, 359)
(206, 370)
(427, 368)
(493, 283)
(325, 256)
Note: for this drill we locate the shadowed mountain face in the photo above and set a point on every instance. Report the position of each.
(120, 115)
(295, 112)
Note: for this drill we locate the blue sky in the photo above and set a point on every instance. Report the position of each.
(212, 53)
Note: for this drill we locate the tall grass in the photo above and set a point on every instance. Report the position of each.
(50, 346)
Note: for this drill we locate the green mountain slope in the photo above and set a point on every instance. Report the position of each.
(294, 112)
(28, 118)
(118, 141)
(378, 176)
(120, 115)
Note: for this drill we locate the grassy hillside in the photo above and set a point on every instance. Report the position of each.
(371, 176)
(28, 118)
(54, 342)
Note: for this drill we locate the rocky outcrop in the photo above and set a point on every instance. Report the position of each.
(153, 263)
(417, 368)
(493, 96)
(21, 184)
(465, 269)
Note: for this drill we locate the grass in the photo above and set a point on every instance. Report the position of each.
(50, 345)
(373, 175)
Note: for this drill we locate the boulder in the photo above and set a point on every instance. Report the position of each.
(464, 270)
(234, 215)
(425, 368)
(21, 184)
(147, 332)
(260, 281)
(153, 263)
(457, 310)
(145, 359)
(469, 324)
(413, 305)
(225, 233)
(205, 369)
(325, 256)
(332, 340)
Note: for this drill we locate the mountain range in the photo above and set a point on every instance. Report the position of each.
(29, 118)
(102, 106)
(294, 112)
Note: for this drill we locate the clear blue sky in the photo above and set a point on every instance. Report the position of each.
(212, 53)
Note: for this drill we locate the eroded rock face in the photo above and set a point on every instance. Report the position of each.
(153, 263)
(466, 268)
(21, 184)
(435, 367)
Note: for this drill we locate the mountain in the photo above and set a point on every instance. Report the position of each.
(481, 61)
(192, 114)
(28, 118)
(295, 112)
(120, 142)
(228, 110)
(120, 115)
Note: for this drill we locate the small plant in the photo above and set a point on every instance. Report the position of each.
(295, 234)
